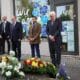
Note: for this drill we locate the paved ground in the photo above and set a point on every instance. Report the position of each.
(72, 62)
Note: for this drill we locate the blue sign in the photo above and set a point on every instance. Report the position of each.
(35, 5)
(64, 27)
(35, 12)
(43, 9)
(43, 31)
(44, 19)
(36, 0)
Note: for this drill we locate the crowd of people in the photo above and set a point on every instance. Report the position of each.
(12, 33)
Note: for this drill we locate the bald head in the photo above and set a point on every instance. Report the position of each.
(52, 15)
(4, 18)
(14, 19)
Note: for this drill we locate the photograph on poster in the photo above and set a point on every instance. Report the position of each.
(70, 25)
(64, 39)
(70, 46)
(70, 36)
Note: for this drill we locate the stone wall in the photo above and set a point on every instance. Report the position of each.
(7, 8)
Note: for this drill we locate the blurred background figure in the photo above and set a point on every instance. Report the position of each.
(5, 34)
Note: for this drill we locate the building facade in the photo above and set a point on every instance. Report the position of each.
(6, 8)
(72, 7)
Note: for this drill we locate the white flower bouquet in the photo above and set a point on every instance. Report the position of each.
(10, 67)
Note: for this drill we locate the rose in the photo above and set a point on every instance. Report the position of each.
(21, 74)
(2, 64)
(8, 73)
(41, 65)
(28, 62)
(38, 60)
(12, 53)
(45, 64)
(34, 64)
(16, 69)
(32, 58)
(13, 60)
(4, 59)
(19, 65)
(9, 67)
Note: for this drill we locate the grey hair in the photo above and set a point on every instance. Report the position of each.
(52, 13)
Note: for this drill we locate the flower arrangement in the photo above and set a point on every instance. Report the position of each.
(10, 67)
(34, 65)
(37, 66)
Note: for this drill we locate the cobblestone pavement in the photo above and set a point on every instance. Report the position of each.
(72, 62)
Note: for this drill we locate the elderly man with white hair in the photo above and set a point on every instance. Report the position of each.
(54, 27)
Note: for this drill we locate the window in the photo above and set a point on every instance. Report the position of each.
(66, 12)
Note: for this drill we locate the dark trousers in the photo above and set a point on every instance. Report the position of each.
(3, 45)
(35, 49)
(55, 52)
(16, 46)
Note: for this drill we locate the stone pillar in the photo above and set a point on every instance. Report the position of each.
(7, 8)
(79, 23)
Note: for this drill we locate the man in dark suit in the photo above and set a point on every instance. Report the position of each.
(54, 28)
(16, 36)
(5, 33)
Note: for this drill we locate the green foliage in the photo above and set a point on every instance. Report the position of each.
(65, 17)
(33, 70)
(51, 70)
(42, 70)
(26, 5)
(26, 69)
(62, 78)
(22, 17)
(30, 12)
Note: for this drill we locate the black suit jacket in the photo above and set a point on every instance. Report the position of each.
(16, 32)
(7, 30)
(55, 29)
